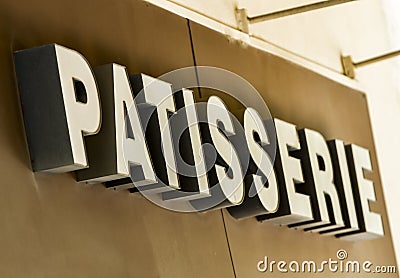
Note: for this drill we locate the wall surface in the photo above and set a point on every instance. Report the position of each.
(310, 101)
(316, 39)
(53, 226)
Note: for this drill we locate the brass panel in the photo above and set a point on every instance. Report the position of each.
(52, 226)
(306, 99)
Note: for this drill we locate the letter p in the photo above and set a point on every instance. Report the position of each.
(60, 103)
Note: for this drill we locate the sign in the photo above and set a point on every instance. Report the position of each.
(135, 131)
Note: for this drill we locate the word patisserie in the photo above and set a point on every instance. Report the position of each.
(135, 131)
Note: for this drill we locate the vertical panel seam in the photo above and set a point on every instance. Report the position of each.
(194, 57)
(229, 246)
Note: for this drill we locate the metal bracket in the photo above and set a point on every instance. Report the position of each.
(242, 20)
(297, 10)
(348, 66)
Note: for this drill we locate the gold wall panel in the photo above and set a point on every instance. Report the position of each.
(309, 100)
(52, 226)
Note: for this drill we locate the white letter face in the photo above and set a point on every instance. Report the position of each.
(261, 184)
(190, 158)
(131, 140)
(370, 223)
(268, 196)
(232, 186)
(83, 112)
(288, 140)
(318, 174)
(343, 185)
(158, 93)
(60, 104)
(125, 161)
